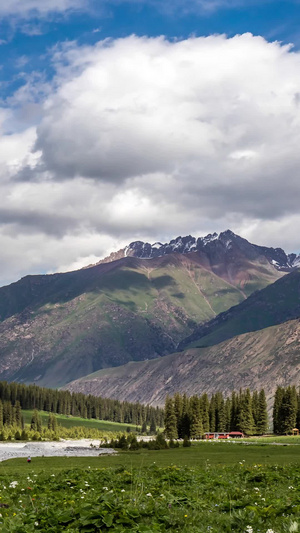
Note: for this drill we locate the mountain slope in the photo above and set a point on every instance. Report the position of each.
(265, 358)
(57, 328)
(272, 305)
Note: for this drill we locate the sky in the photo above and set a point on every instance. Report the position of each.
(145, 120)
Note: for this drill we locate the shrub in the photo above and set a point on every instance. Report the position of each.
(186, 442)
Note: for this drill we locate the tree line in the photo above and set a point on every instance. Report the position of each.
(286, 409)
(241, 411)
(17, 396)
(192, 417)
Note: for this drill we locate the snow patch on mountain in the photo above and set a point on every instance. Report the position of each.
(296, 262)
(226, 242)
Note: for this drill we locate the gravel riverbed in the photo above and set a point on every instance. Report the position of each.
(67, 448)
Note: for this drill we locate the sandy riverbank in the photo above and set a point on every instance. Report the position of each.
(68, 448)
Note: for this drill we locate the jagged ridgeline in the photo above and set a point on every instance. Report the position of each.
(242, 411)
(16, 396)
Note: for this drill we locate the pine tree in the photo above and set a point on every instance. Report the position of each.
(152, 426)
(262, 414)
(298, 410)
(245, 420)
(185, 422)
(52, 422)
(220, 413)
(205, 412)
(1, 415)
(18, 414)
(196, 428)
(212, 414)
(178, 409)
(228, 413)
(255, 409)
(170, 419)
(36, 422)
(289, 409)
(277, 411)
(234, 412)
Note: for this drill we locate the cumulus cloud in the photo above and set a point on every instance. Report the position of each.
(142, 138)
(221, 116)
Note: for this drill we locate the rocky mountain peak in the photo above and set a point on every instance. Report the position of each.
(215, 246)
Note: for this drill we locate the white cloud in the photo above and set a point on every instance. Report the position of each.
(143, 138)
(27, 7)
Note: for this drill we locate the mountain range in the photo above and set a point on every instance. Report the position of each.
(145, 303)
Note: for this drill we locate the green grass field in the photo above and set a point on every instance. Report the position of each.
(199, 455)
(74, 421)
(210, 487)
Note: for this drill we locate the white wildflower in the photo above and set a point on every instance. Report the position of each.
(13, 484)
(149, 494)
(249, 529)
(105, 488)
(293, 527)
(122, 490)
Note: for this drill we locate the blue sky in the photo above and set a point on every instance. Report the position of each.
(144, 120)
(27, 36)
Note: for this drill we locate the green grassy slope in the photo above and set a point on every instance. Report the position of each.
(75, 421)
(57, 328)
(136, 310)
(272, 305)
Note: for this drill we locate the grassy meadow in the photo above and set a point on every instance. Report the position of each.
(68, 421)
(209, 487)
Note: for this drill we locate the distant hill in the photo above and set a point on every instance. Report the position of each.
(265, 358)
